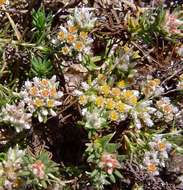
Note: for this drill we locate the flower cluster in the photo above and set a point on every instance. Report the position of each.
(142, 113)
(166, 109)
(41, 97)
(158, 154)
(38, 169)
(75, 36)
(16, 116)
(116, 102)
(94, 119)
(10, 168)
(152, 87)
(172, 23)
(125, 60)
(18, 169)
(109, 162)
(83, 19)
(103, 155)
(74, 40)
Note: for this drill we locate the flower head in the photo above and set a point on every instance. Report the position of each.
(151, 163)
(41, 96)
(172, 23)
(113, 116)
(17, 116)
(152, 87)
(38, 169)
(105, 89)
(161, 146)
(168, 110)
(109, 162)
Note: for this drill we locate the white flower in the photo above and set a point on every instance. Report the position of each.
(142, 112)
(94, 119)
(53, 80)
(161, 145)
(40, 118)
(17, 116)
(164, 105)
(77, 93)
(44, 112)
(28, 84)
(83, 18)
(151, 163)
(84, 111)
(53, 113)
(60, 94)
(15, 155)
(85, 86)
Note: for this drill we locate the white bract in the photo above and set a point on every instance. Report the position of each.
(10, 166)
(93, 119)
(83, 18)
(142, 113)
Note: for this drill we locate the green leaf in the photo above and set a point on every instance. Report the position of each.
(112, 178)
(105, 139)
(111, 147)
(2, 156)
(41, 67)
(118, 174)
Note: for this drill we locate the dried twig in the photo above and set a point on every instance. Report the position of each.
(17, 33)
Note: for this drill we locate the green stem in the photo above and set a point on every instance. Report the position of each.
(24, 44)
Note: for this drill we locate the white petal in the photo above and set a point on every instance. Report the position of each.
(53, 113)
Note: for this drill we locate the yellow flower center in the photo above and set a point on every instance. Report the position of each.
(38, 102)
(129, 97)
(99, 101)
(161, 146)
(53, 91)
(116, 92)
(83, 35)
(45, 93)
(133, 100)
(50, 103)
(33, 91)
(110, 104)
(151, 168)
(2, 2)
(83, 100)
(113, 116)
(61, 35)
(72, 29)
(121, 84)
(79, 46)
(44, 82)
(167, 108)
(121, 107)
(105, 89)
(127, 94)
(65, 50)
(70, 38)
